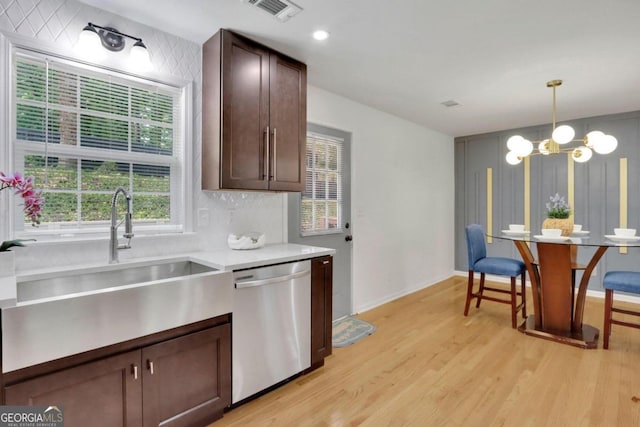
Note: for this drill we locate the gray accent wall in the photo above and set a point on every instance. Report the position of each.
(596, 188)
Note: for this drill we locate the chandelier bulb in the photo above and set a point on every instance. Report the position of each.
(543, 147)
(581, 154)
(512, 158)
(605, 145)
(563, 134)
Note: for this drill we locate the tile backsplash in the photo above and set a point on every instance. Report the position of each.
(59, 22)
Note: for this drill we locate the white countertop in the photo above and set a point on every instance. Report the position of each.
(229, 259)
(221, 259)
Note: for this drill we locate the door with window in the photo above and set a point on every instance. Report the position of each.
(321, 215)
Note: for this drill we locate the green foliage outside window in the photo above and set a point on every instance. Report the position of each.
(109, 115)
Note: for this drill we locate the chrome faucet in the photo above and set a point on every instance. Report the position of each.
(128, 225)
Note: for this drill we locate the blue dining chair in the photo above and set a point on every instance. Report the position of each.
(479, 262)
(623, 281)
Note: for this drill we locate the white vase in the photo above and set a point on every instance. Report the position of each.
(7, 263)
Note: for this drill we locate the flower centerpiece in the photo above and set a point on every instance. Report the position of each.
(32, 199)
(558, 215)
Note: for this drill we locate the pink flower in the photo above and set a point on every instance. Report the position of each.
(33, 200)
(14, 180)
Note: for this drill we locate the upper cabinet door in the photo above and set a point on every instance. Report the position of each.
(245, 114)
(288, 121)
(254, 116)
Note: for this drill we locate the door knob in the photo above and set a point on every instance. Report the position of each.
(348, 238)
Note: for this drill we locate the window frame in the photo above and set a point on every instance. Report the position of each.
(10, 47)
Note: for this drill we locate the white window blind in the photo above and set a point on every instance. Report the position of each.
(83, 132)
(321, 202)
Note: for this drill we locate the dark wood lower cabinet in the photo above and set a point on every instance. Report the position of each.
(101, 393)
(321, 309)
(185, 381)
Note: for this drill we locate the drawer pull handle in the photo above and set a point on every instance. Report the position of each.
(150, 366)
(325, 262)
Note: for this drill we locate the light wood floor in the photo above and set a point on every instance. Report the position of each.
(428, 365)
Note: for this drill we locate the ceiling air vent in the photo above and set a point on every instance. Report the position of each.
(281, 9)
(450, 103)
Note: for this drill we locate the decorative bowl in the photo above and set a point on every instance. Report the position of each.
(551, 232)
(624, 232)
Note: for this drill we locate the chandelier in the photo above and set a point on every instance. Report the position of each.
(561, 136)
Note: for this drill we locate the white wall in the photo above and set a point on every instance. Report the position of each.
(402, 199)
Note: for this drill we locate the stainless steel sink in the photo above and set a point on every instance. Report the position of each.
(73, 282)
(70, 312)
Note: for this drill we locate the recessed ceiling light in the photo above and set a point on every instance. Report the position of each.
(320, 35)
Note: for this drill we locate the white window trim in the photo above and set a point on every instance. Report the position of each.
(10, 42)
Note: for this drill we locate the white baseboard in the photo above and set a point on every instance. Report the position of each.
(392, 297)
(596, 293)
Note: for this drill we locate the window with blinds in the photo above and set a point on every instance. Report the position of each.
(83, 132)
(321, 202)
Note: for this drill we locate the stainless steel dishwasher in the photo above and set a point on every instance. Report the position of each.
(271, 327)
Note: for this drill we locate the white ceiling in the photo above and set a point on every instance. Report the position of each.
(405, 57)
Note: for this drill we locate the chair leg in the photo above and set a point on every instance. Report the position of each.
(523, 289)
(469, 292)
(514, 302)
(481, 290)
(608, 304)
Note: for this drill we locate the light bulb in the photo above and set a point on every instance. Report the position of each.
(606, 145)
(139, 56)
(593, 138)
(513, 158)
(526, 148)
(89, 44)
(543, 147)
(581, 154)
(563, 134)
(522, 147)
(512, 142)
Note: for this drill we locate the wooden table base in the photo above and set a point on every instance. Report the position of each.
(586, 338)
(557, 308)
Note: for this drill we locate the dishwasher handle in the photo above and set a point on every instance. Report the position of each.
(261, 282)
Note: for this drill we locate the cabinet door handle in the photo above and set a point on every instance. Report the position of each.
(275, 155)
(150, 366)
(267, 155)
(325, 262)
(134, 371)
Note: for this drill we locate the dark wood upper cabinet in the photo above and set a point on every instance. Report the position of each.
(254, 115)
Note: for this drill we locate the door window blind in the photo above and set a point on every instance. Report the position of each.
(321, 202)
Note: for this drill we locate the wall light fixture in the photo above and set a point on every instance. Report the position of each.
(92, 36)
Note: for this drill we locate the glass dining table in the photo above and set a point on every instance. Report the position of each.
(557, 306)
